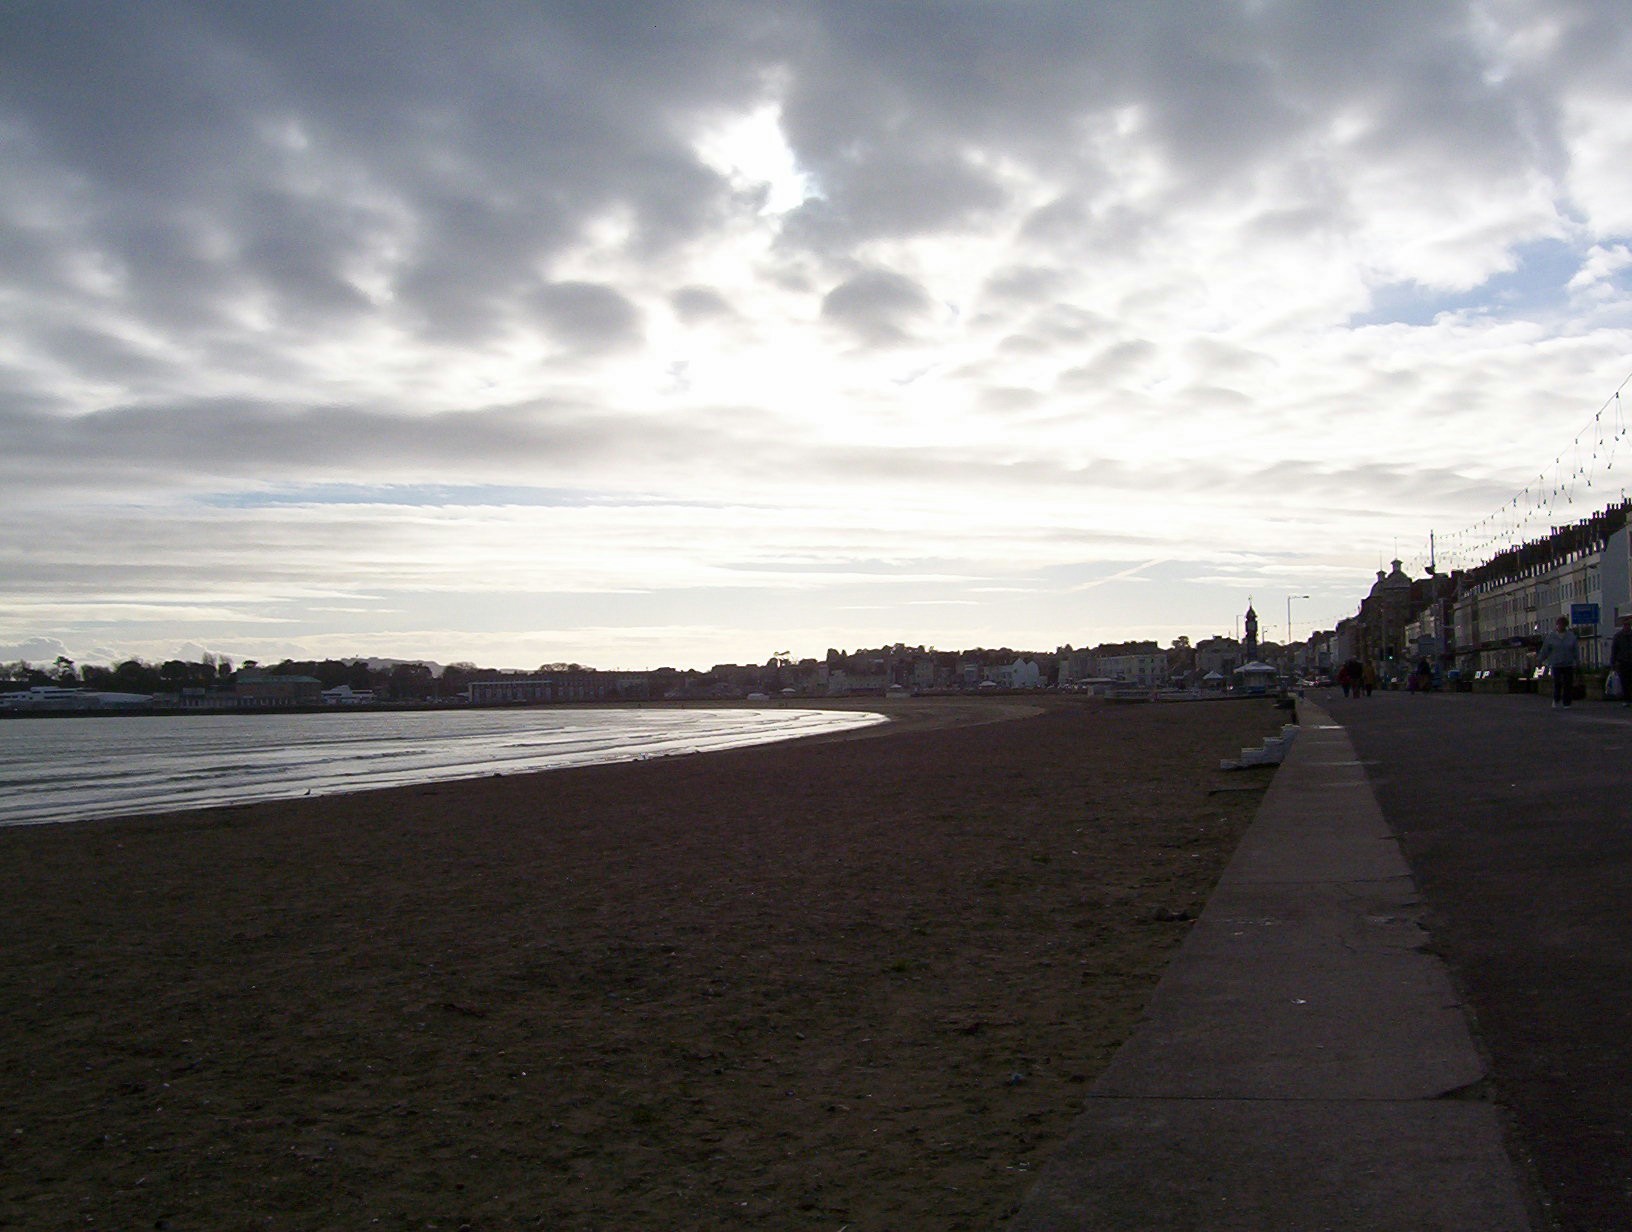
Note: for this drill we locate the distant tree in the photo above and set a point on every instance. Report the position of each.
(1127, 648)
(412, 682)
(1181, 659)
(136, 676)
(455, 679)
(332, 672)
(64, 672)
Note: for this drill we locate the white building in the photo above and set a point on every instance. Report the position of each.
(1508, 604)
(1021, 674)
(1146, 670)
(55, 697)
(345, 695)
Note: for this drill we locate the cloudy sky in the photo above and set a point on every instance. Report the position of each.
(650, 333)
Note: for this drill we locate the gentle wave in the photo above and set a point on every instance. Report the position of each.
(76, 769)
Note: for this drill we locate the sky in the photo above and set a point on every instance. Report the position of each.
(670, 334)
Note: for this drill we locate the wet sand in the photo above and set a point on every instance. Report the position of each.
(840, 983)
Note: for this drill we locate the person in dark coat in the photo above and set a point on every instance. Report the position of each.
(1620, 657)
(1558, 654)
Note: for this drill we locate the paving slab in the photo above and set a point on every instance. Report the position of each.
(1517, 821)
(1305, 1061)
(1302, 992)
(1276, 1166)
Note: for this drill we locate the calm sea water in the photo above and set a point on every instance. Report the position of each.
(73, 769)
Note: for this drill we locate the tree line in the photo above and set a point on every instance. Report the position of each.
(394, 682)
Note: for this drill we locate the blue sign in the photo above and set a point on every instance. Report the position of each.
(1583, 613)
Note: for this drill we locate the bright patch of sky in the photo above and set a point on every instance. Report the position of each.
(752, 152)
(635, 336)
(1544, 278)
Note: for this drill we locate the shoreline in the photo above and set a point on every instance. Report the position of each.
(859, 979)
(132, 778)
(690, 703)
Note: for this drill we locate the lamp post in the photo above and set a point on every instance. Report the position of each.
(1289, 651)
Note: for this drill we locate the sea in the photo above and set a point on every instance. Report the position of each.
(80, 768)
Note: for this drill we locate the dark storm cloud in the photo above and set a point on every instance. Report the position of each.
(97, 355)
(228, 187)
(233, 444)
(883, 93)
(1225, 86)
(228, 443)
(1026, 284)
(588, 315)
(918, 195)
(142, 446)
(330, 162)
(878, 307)
(696, 304)
(211, 152)
(880, 82)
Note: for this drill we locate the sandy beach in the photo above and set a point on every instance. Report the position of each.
(852, 983)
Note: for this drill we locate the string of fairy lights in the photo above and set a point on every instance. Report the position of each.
(1583, 480)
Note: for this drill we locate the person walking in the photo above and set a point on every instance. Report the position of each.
(1422, 679)
(1620, 657)
(1558, 653)
(1352, 667)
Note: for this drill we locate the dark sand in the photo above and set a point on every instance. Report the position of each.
(851, 984)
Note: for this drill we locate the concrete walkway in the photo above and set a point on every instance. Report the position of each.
(1306, 1063)
(1517, 822)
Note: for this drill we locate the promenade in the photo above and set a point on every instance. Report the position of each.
(1408, 1002)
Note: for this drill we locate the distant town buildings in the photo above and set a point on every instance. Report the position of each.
(264, 691)
(1148, 670)
(1218, 658)
(1488, 620)
(1502, 608)
(1474, 624)
(548, 688)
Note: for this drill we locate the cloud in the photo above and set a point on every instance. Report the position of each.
(1117, 362)
(140, 446)
(697, 304)
(589, 315)
(34, 650)
(878, 307)
(1033, 286)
